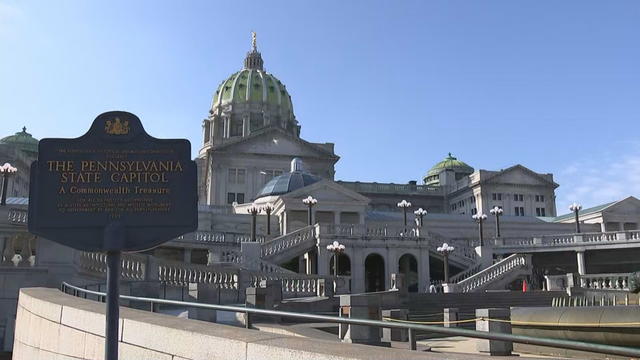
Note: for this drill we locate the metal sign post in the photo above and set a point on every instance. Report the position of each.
(115, 189)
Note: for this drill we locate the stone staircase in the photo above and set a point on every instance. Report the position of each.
(286, 247)
(496, 276)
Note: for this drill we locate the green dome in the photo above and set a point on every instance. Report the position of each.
(23, 141)
(253, 86)
(449, 163)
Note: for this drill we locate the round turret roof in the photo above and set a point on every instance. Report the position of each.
(23, 141)
(286, 183)
(449, 163)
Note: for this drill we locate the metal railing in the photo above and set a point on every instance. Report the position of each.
(410, 327)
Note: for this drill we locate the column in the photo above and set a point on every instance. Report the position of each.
(603, 226)
(361, 217)
(357, 271)
(324, 256)
(581, 264)
(390, 265)
(424, 275)
(187, 256)
(336, 217)
(621, 226)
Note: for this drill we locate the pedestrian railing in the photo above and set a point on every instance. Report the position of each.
(410, 327)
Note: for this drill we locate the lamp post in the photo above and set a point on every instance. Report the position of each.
(253, 210)
(497, 212)
(576, 208)
(445, 250)
(310, 201)
(6, 170)
(268, 208)
(404, 205)
(480, 218)
(336, 248)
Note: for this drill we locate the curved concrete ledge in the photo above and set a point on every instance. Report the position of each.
(52, 325)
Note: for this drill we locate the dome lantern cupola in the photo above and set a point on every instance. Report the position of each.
(254, 59)
(23, 141)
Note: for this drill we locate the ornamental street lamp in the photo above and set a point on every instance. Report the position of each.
(445, 250)
(310, 201)
(404, 205)
(6, 170)
(576, 208)
(480, 218)
(336, 248)
(268, 208)
(497, 212)
(253, 210)
(420, 213)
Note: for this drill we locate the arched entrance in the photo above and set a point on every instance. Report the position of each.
(408, 266)
(374, 278)
(344, 265)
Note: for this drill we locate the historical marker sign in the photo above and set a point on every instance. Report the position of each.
(117, 177)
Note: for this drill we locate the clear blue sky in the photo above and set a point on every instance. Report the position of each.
(552, 85)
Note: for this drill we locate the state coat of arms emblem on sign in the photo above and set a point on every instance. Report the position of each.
(116, 127)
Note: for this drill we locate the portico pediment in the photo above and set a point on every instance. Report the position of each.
(628, 206)
(520, 175)
(327, 191)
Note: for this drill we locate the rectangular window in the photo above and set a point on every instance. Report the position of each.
(516, 211)
(231, 197)
(240, 198)
(494, 196)
(240, 176)
(499, 196)
(236, 176)
(541, 198)
(515, 197)
(538, 210)
(521, 211)
(542, 212)
(474, 211)
(236, 127)
(521, 197)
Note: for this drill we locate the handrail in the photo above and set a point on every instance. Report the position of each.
(523, 339)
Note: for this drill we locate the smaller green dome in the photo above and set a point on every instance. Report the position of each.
(23, 141)
(449, 163)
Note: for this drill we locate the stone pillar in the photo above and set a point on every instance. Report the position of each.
(324, 257)
(603, 226)
(206, 294)
(361, 218)
(451, 314)
(399, 282)
(213, 257)
(357, 271)
(621, 226)
(187, 255)
(251, 252)
(360, 307)
(485, 255)
(336, 217)
(395, 334)
(494, 347)
(424, 275)
(582, 269)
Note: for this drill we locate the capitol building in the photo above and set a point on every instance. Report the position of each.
(271, 211)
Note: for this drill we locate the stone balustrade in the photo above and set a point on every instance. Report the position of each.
(538, 243)
(618, 281)
(367, 231)
(219, 237)
(293, 284)
(181, 274)
(493, 273)
(17, 216)
(372, 187)
(283, 243)
(133, 266)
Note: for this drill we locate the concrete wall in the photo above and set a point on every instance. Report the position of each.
(52, 325)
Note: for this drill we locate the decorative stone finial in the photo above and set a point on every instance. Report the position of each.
(253, 59)
(24, 129)
(254, 45)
